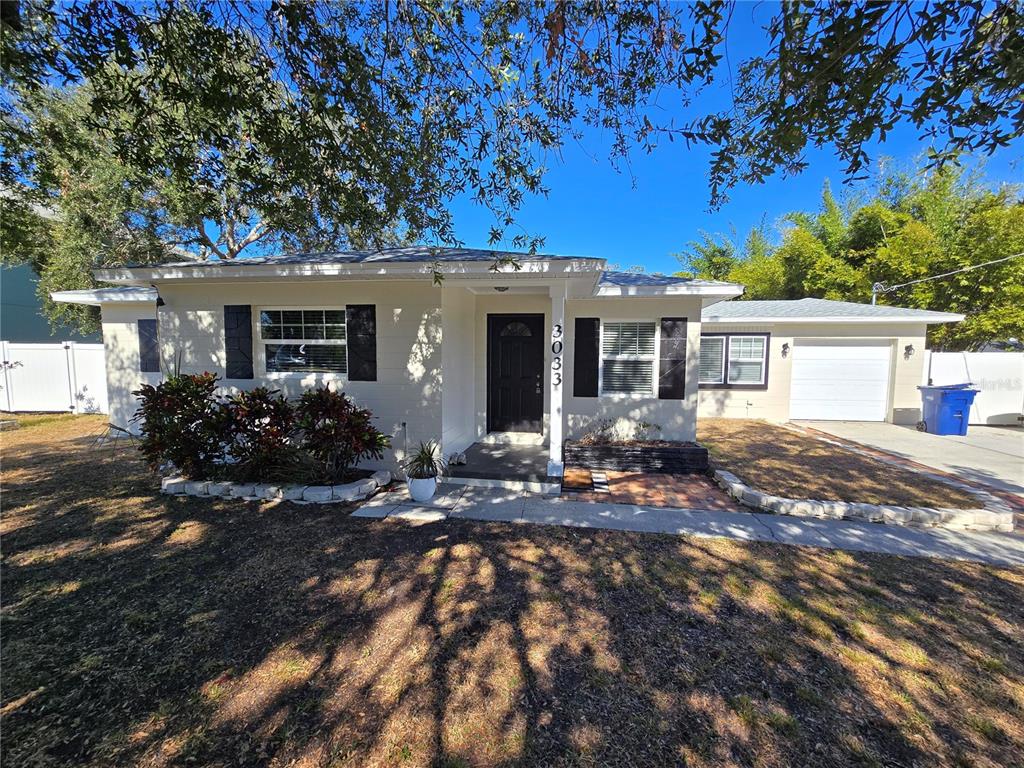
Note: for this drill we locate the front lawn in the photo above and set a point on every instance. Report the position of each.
(783, 462)
(143, 630)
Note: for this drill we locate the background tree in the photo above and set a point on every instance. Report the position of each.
(910, 226)
(382, 111)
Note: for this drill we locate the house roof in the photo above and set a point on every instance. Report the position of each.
(642, 284)
(122, 294)
(417, 262)
(819, 310)
(420, 254)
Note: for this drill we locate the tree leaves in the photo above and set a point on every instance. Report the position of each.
(913, 227)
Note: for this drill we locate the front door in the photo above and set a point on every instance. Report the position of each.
(515, 373)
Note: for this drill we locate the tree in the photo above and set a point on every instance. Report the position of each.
(376, 112)
(712, 257)
(103, 214)
(915, 226)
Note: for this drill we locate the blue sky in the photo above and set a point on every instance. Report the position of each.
(642, 219)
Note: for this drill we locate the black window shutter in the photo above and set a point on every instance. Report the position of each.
(361, 332)
(149, 351)
(238, 341)
(672, 359)
(586, 356)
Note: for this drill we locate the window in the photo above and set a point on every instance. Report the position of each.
(627, 358)
(304, 340)
(712, 360)
(746, 359)
(739, 360)
(149, 347)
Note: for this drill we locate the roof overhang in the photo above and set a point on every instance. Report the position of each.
(239, 271)
(928, 319)
(104, 296)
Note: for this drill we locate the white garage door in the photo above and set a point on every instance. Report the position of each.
(837, 381)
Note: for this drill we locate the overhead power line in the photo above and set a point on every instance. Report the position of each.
(878, 288)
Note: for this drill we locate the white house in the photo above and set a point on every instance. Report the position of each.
(529, 355)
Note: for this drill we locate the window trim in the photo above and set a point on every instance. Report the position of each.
(260, 344)
(655, 360)
(725, 384)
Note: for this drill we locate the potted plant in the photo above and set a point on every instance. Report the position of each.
(422, 469)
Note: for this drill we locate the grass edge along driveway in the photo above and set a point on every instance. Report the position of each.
(786, 463)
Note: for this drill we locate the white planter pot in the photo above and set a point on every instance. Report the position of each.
(422, 489)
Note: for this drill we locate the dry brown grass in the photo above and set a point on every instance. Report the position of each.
(782, 462)
(142, 630)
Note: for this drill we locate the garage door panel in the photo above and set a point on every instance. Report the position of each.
(840, 381)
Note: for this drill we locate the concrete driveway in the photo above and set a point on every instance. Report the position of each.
(990, 455)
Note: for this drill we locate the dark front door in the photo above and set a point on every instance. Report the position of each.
(515, 373)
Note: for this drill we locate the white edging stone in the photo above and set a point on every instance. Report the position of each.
(197, 487)
(320, 493)
(300, 494)
(994, 515)
(173, 485)
(219, 489)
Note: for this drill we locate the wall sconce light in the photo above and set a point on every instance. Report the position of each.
(501, 288)
(908, 351)
(159, 299)
(785, 350)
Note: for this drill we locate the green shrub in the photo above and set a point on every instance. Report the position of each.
(336, 432)
(182, 423)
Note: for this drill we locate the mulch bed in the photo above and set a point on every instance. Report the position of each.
(144, 630)
(784, 462)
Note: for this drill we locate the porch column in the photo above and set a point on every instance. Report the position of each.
(556, 416)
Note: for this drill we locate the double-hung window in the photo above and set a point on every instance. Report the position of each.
(628, 360)
(734, 360)
(304, 340)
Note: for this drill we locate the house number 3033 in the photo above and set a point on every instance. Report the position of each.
(556, 355)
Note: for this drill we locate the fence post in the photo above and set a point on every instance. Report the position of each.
(69, 356)
(5, 404)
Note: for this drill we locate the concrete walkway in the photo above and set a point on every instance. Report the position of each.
(467, 503)
(992, 456)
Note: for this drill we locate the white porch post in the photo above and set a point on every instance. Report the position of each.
(556, 417)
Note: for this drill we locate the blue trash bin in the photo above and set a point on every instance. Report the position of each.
(945, 410)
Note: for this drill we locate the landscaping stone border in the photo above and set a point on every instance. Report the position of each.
(993, 515)
(299, 494)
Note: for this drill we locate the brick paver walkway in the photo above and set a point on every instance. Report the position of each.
(656, 490)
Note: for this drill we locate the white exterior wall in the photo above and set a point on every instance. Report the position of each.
(408, 386)
(458, 366)
(904, 405)
(677, 418)
(121, 348)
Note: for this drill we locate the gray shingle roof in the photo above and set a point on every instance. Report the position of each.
(816, 309)
(643, 279)
(411, 255)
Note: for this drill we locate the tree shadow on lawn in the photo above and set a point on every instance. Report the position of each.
(147, 630)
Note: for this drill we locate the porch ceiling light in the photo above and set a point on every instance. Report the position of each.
(501, 288)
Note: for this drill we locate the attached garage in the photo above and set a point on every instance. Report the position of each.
(836, 380)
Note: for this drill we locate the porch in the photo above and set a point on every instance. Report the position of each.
(506, 465)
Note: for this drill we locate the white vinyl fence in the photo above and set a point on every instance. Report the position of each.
(999, 376)
(67, 376)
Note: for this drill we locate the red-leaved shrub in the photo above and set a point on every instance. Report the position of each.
(260, 427)
(182, 423)
(336, 432)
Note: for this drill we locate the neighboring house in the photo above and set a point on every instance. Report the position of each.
(535, 355)
(21, 311)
